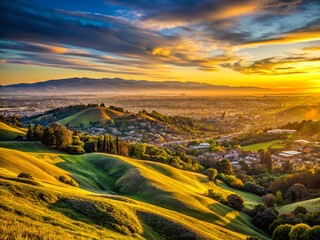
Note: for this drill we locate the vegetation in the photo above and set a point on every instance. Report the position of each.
(180, 208)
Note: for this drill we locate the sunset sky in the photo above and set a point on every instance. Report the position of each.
(265, 43)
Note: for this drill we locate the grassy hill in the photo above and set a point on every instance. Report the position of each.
(118, 198)
(311, 205)
(91, 115)
(10, 133)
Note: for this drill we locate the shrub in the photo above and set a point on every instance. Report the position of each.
(76, 150)
(284, 219)
(297, 192)
(264, 219)
(300, 211)
(299, 232)
(269, 200)
(254, 188)
(70, 181)
(235, 201)
(25, 175)
(313, 233)
(282, 232)
(215, 195)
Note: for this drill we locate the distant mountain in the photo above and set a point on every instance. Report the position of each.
(118, 86)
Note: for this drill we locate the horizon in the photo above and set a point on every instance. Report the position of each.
(260, 44)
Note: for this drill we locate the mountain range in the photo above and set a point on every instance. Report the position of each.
(119, 85)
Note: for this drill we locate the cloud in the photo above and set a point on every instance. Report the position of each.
(295, 64)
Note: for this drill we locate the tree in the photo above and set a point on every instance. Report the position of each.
(102, 105)
(279, 198)
(124, 149)
(264, 219)
(30, 133)
(300, 211)
(313, 233)
(48, 137)
(37, 132)
(299, 232)
(269, 200)
(63, 136)
(282, 232)
(287, 167)
(268, 161)
(235, 201)
(212, 174)
(296, 192)
(262, 155)
(224, 166)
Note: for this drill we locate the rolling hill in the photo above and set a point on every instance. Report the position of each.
(133, 199)
(92, 115)
(10, 133)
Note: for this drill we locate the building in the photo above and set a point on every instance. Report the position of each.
(289, 131)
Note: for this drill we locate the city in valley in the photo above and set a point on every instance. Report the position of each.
(160, 120)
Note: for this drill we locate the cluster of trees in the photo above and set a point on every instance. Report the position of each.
(119, 109)
(285, 226)
(176, 159)
(234, 201)
(182, 124)
(309, 129)
(59, 137)
(11, 121)
(297, 186)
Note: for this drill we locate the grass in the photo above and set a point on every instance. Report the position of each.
(91, 115)
(276, 144)
(10, 133)
(311, 205)
(167, 202)
(250, 199)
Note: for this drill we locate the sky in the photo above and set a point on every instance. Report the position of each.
(265, 43)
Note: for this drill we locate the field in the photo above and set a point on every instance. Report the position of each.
(264, 145)
(10, 133)
(132, 198)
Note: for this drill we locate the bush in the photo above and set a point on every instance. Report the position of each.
(269, 200)
(25, 175)
(235, 201)
(313, 233)
(264, 219)
(300, 211)
(76, 150)
(299, 232)
(282, 232)
(254, 188)
(297, 192)
(70, 181)
(231, 180)
(215, 195)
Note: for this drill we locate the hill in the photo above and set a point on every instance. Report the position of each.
(160, 201)
(100, 115)
(10, 133)
(119, 86)
(299, 113)
(311, 205)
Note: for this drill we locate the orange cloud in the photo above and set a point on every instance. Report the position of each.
(295, 37)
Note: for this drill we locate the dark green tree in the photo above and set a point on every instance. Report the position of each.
(30, 133)
(224, 166)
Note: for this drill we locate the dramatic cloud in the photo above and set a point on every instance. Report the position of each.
(155, 37)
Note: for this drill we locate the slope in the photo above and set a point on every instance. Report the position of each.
(100, 115)
(9, 133)
(174, 195)
(311, 205)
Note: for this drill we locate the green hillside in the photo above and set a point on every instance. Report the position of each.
(160, 201)
(100, 115)
(10, 133)
(311, 205)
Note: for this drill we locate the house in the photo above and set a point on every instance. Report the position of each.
(289, 131)
(289, 154)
